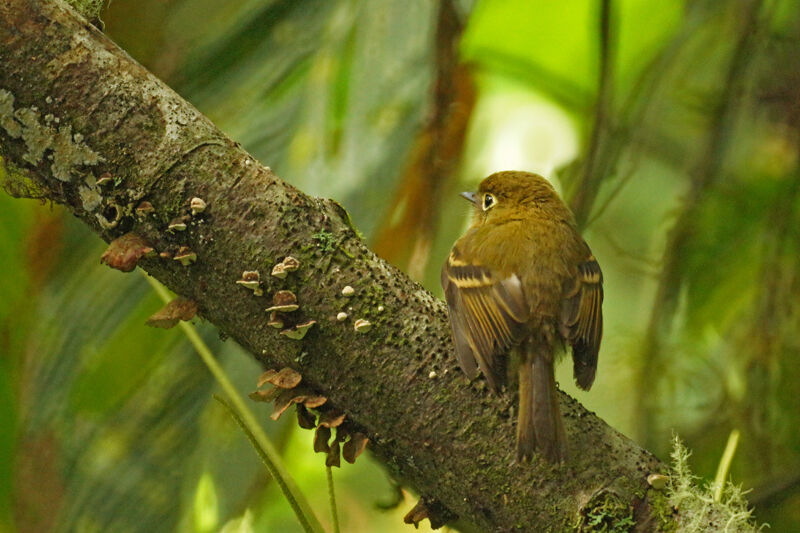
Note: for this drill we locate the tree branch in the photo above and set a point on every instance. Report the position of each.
(84, 125)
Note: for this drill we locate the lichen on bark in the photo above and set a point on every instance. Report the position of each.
(66, 151)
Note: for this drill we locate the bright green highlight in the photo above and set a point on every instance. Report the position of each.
(725, 464)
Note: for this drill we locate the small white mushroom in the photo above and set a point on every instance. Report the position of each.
(197, 205)
(348, 291)
(342, 316)
(657, 481)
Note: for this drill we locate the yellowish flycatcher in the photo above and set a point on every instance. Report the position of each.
(523, 279)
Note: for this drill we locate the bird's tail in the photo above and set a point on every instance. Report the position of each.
(539, 427)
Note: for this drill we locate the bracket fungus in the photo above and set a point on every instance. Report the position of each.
(279, 271)
(185, 256)
(354, 447)
(282, 269)
(315, 401)
(178, 224)
(334, 455)
(275, 320)
(178, 309)
(362, 325)
(144, 208)
(285, 391)
(431, 509)
(197, 205)
(283, 301)
(305, 418)
(290, 264)
(285, 378)
(332, 418)
(321, 438)
(299, 395)
(657, 481)
(299, 331)
(104, 179)
(251, 280)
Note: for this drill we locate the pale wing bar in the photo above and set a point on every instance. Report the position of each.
(487, 317)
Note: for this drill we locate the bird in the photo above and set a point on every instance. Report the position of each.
(520, 285)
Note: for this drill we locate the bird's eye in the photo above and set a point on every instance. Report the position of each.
(488, 201)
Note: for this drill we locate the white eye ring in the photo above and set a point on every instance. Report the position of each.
(488, 201)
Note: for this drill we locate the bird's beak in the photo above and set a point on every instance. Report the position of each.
(471, 196)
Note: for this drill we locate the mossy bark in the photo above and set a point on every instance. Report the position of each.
(75, 110)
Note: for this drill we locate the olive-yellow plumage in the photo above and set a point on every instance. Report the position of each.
(523, 279)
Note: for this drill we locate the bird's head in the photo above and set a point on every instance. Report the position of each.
(513, 194)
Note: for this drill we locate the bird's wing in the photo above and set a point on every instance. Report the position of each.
(487, 315)
(582, 319)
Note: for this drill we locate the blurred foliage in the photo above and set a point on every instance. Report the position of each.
(672, 126)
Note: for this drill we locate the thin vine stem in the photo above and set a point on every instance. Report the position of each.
(332, 498)
(725, 464)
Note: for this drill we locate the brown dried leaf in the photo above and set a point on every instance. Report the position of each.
(417, 514)
(432, 510)
(334, 455)
(286, 378)
(264, 395)
(331, 419)
(265, 377)
(321, 438)
(312, 402)
(178, 309)
(354, 447)
(286, 398)
(124, 252)
(305, 419)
